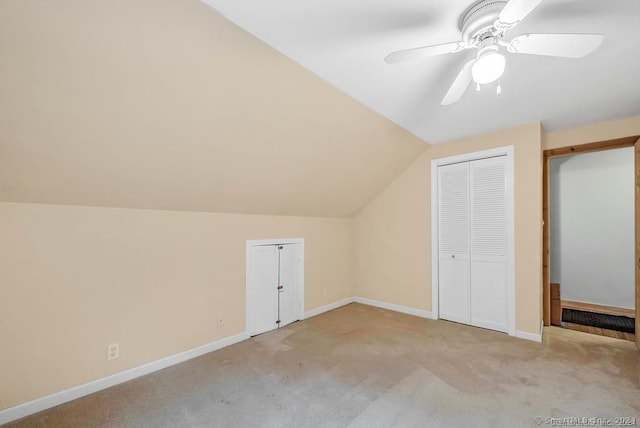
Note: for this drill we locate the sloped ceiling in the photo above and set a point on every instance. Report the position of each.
(345, 42)
(164, 104)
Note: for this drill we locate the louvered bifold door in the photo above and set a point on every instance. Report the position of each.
(488, 243)
(453, 242)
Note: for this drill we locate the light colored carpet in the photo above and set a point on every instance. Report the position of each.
(361, 366)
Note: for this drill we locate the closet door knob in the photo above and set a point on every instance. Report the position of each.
(453, 256)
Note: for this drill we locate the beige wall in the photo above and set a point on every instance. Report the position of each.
(393, 233)
(74, 279)
(165, 104)
(592, 133)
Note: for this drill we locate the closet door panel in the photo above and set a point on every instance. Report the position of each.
(488, 243)
(489, 295)
(288, 279)
(263, 293)
(454, 291)
(453, 242)
(488, 210)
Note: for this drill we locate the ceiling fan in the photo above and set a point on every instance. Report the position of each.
(483, 27)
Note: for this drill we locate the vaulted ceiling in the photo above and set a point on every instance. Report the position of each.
(165, 104)
(345, 42)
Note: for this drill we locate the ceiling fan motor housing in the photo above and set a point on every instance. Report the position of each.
(477, 22)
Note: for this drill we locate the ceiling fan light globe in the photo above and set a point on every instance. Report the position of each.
(488, 68)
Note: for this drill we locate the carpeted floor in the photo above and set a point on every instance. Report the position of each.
(360, 366)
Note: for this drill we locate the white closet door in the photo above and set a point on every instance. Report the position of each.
(453, 242)
(288, 281)
(489, 244)
(263, 292)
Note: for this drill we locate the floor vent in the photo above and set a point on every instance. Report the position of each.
(592, 319)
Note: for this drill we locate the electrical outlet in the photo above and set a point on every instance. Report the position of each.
(324, 293)
(113, 351)
(220, 321)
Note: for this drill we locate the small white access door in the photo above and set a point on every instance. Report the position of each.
(263, 297)
(275, 289)
(287, 301)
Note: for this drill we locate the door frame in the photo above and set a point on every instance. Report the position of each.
(250, 246)
(597, 146)
(435, 281)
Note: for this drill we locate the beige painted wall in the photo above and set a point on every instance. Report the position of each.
(75, 279)
(393, 233)
(165, 104)
(592, 133)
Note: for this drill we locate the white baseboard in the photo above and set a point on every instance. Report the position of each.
(43, 403)
(529, 336)
(393, 307)
(427, 314)
(327, 308)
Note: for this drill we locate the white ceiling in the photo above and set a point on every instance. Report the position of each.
(344, 42)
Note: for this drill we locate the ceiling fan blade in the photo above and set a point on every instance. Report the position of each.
(459, 86)
(425, 51)
(514, 12)
(562, 45)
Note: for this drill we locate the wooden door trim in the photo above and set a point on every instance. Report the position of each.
(546, 240)
(599, 309)
(597, 146)
(637, 254)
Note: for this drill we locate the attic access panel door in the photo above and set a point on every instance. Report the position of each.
(275, 284)
(287, 287)
(262, 296)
